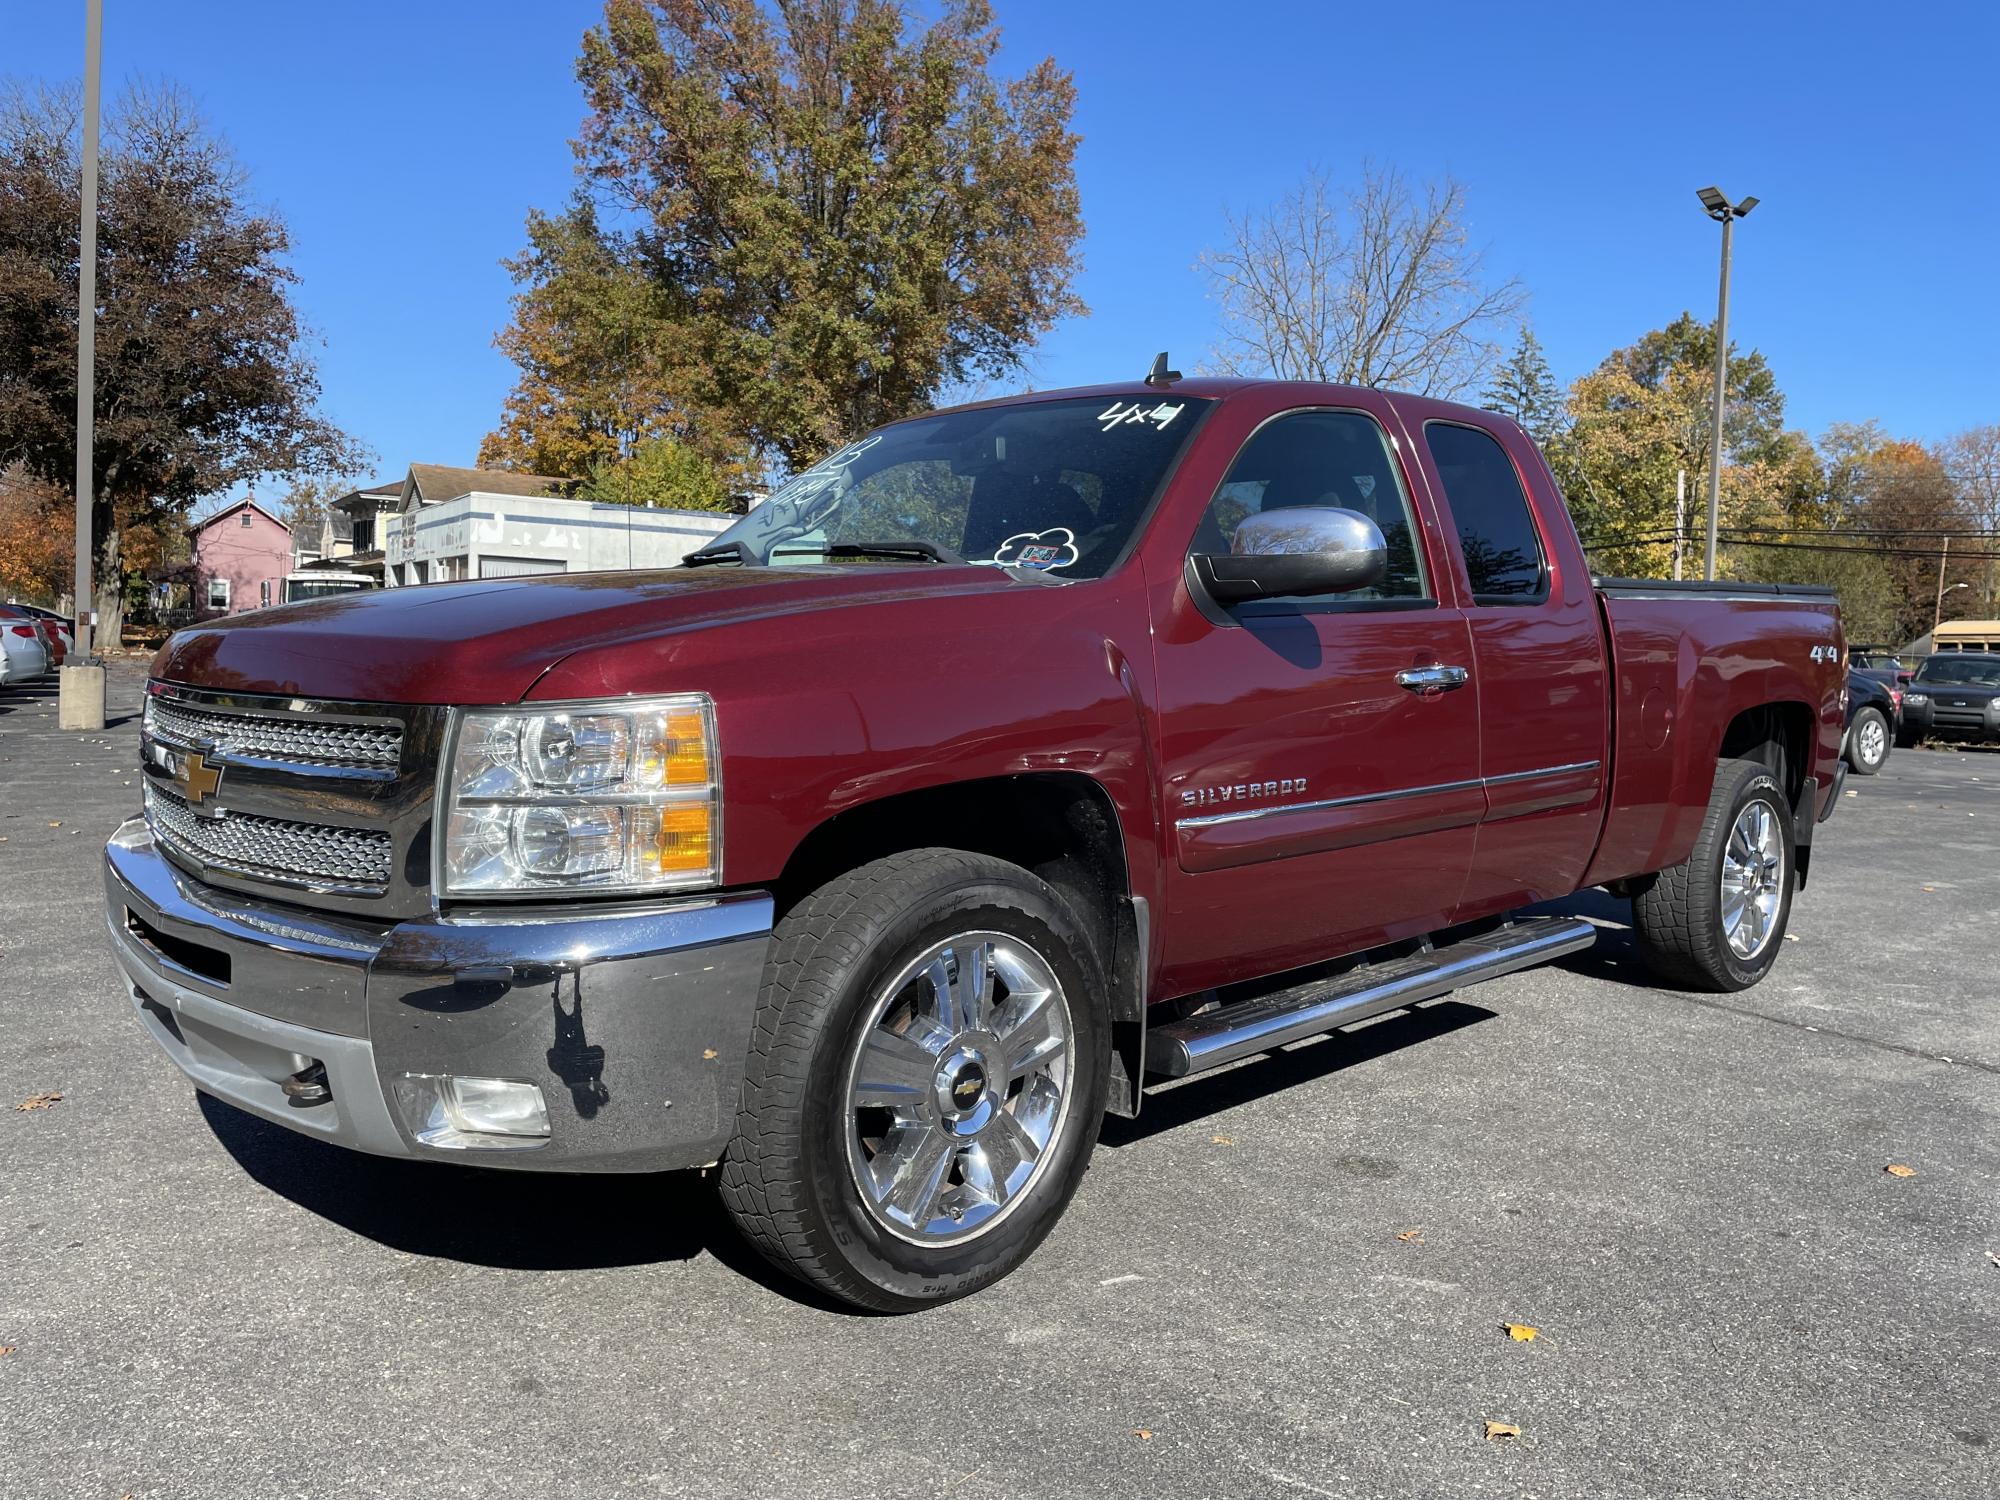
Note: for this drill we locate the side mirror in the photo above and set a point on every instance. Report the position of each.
(1298, 550)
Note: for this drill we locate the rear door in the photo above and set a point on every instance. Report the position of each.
(1537, 655)
(1321, 798)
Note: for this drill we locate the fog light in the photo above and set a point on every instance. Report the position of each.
(472, 1114)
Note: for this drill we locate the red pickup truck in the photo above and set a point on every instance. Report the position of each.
(1010, 757)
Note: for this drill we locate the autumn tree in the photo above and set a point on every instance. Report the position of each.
(204, 377)
(1524, 389)
(663, 472)
(1643, 417)
(37, 535)
(791, 224)
(1379, 284)
(1904, 494)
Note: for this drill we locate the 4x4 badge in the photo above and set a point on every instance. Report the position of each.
(196, 778)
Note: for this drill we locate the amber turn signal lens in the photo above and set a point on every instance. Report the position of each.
(683, 840)
(675, 751)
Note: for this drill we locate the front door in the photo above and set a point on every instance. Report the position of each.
(1322, 782)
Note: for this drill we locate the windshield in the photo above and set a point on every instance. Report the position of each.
(1958, 666)
(1057, 487)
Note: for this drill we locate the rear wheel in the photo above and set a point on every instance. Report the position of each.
(1717, 921)
(926, 1080)
(1867, 742)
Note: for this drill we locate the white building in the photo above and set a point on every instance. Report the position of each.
(476, 523)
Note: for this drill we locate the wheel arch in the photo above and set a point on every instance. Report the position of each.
(1779, 736)
(1062, 826)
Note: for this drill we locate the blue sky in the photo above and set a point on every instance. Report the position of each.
(404, 143)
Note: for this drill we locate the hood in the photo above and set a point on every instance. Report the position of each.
(488, 641)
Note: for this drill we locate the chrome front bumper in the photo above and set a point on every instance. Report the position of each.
(634, 1021)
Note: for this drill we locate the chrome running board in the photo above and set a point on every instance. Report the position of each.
(1215, 1038)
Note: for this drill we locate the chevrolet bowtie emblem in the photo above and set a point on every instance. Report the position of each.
(196, 778)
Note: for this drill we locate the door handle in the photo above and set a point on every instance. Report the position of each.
(1430, 681)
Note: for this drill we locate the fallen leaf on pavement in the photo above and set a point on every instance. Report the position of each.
(1411, 1236)
(1897, 1169)
(1143, 1434)
(7, 1349)
(1521, 1333)
(708, 1054)
(1222, 1140)
(38, 1101)
(1497, 1430)
(1994, 1256)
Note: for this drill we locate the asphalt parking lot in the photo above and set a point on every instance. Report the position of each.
(1288, 1280)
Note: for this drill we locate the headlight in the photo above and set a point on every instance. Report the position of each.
(605, 797)
(1916, 700)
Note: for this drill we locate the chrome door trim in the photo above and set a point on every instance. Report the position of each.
(1513, 776)
(1211, 820)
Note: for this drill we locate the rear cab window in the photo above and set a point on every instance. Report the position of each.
(1497, 536)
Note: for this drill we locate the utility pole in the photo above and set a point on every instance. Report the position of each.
(1680, 519)
(80, 696)
(1726, 213)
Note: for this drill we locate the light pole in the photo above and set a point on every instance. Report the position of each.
(1725, 213)
(80, 694)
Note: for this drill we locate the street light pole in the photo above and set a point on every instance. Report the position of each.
(1727, 213)
(86, 323)
(80, 694)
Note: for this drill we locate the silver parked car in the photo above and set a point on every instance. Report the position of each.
(25, 653)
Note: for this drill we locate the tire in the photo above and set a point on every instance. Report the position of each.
(1682, 919)
(850, 990)
(1868, 742)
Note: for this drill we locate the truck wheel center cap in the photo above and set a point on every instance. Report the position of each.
(964, 1092)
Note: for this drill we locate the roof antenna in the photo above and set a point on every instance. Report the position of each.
(1160, 374)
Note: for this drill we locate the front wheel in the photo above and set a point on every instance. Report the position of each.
(925, 1083)
(1867, 742)
(1718, 921)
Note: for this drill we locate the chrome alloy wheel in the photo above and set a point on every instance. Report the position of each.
(1753, 879)
(1872, 741)
(957, 1087)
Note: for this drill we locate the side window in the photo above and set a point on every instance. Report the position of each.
(1503, 551)
(1321, 458)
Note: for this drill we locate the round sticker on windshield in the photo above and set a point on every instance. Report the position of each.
(1054, 548)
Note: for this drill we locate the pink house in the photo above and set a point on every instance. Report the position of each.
(241, 555)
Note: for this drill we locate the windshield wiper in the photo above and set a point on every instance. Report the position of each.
(915, 551)
(721, 552)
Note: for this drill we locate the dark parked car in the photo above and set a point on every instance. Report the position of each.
(1955, 695)
(1872, 716)
(1884, 667)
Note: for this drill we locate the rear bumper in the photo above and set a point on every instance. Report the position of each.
(633, 1022)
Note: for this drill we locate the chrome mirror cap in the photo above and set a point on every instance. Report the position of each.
(1297, 550)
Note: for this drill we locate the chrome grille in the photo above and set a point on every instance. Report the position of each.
(274, 849)
(311, 741)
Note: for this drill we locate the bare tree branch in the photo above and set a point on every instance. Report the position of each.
(1377, 287)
